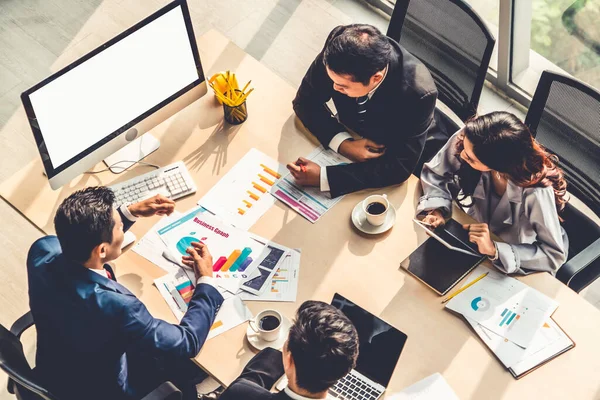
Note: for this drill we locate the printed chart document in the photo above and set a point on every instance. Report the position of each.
(233, 251)
(505, 306)
(433, 387)
(284, 283)
(309, 202)
(543, 346)
(242, 195)
(151, 247)
(177, 290)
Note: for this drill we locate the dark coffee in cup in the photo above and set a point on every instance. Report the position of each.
(268, 323)
(376, 208)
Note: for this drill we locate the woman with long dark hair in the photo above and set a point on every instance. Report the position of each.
(505, 180)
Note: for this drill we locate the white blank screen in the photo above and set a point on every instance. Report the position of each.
(114, 87)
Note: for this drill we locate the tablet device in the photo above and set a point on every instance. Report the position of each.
(448, 239)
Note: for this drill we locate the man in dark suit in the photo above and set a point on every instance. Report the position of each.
(322, 347)
(95, 339)
(382, 94)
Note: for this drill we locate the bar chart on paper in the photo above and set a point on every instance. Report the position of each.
(243, 195)
(284, 283)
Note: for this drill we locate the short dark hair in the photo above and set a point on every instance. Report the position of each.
(324, 345)
(84, 220)
(359, 51)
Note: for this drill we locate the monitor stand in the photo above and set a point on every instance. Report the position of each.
(124, 158)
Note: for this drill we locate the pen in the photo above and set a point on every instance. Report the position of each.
(465, 287)
(301, 165)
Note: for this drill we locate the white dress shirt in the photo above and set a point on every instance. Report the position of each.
(337, 140)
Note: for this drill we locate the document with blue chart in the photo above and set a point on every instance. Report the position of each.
(505, 306)
(235, 254)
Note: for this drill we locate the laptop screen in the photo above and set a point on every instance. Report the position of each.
(380, 343)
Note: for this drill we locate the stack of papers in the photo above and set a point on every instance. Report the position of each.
(512, 319)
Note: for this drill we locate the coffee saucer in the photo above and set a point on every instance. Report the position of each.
(259, 344)
(359, 219)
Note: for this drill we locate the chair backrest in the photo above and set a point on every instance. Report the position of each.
(14, 363)
(564, 116)
(453, 42)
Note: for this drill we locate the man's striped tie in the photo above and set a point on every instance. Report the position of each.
(362, 107)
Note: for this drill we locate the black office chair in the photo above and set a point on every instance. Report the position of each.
(22, 381)
(564, 116)
(453, 42)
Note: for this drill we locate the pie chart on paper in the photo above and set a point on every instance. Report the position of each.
(184, 243)
(480, 304)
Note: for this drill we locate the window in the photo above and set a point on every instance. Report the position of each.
(560, 35)
(489, 11)
(535, 35)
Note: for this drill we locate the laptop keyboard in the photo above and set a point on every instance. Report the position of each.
(351, 387)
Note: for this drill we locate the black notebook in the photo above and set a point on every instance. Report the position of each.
(439, 267)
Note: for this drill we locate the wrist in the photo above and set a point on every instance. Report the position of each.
(342, 149)
(133, 210)
(494, 255)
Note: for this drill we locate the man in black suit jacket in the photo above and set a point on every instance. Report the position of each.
(322, 347)
(382, 94)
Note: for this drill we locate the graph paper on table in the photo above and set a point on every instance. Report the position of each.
(284, 283)
(234, 252)
(242, 195)
(309, 202)
(505, 306)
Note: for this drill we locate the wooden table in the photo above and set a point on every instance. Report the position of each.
(335, 256)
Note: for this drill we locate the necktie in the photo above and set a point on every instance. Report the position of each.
(362, 107)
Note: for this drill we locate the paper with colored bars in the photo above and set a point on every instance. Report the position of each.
(242, 195)
(505, 306)
(284, 284)
(177, 290)
(309, 202)
(233, 251)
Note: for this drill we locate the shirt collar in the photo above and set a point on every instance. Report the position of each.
(372, 92)
(100, 272)
(295, 396)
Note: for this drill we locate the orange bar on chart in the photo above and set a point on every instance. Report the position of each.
(216, 325)
(247, 203)
(269, 171)
(252, 195)
(241, 212)
(231, 259)
(265, 180)
(258, 187)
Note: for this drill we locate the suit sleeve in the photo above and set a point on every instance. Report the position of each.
(547, 253)
(126, 222)
(399, 160)
(258, 377)
(150, 334)
(315, 90)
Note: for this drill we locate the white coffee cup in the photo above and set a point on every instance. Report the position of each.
(376, 219)
(268, 335)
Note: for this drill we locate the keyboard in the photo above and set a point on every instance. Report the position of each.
(354, 387)
(173, 181)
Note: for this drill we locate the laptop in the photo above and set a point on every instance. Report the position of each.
(380, 348)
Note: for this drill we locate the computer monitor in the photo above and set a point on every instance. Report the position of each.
(107, 99)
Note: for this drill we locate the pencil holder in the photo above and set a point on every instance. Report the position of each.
(235, 115)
